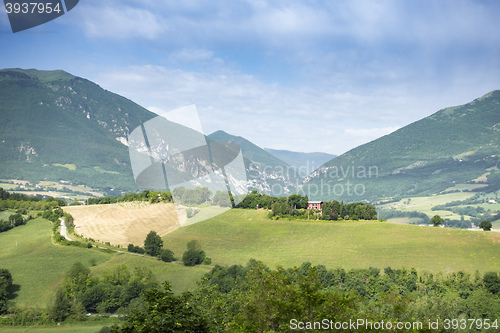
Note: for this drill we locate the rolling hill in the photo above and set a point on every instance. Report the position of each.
(454, 146)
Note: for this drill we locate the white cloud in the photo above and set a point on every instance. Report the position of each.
(120, 22)
(301, 75)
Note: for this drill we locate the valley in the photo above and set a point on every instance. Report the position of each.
(446, 164)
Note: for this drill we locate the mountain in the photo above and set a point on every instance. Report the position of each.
(56, 126)
(456, 145)
(305, 163)
(265, 172)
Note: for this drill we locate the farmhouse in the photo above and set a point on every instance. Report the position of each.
(315, 205)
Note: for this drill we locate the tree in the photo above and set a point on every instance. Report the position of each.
(165, 312)
(167, 255)
(485, 225)
(194, 254)
(222, 199)
(5, 284)
(61, 309)
(153, 244)
(437, 220)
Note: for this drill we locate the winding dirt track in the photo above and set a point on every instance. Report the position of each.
(123, 223)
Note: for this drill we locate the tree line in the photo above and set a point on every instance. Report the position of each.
(146, 195)
(24, 207)
(256, 298)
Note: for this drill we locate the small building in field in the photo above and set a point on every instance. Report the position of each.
(315, 205)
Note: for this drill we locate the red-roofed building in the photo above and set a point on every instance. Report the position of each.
(315, 205)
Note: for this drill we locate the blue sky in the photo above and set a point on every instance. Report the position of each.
(297, 75)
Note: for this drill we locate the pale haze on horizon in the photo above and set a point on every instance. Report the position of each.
(310, 76)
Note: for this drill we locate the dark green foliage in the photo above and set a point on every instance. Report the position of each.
(195, 196)
(486, 225)
(388, 214)
(80, 292)
(61, 309)
(194, 254)
(165, 312)
(264, 299)
(5, 285)
(167, 255)
(23, 204)
(153, 244)
(437, 220)
(135, 249)
(226, 278)
(254, 199)
(146, 195)
(491, 281)
(335, 210)
(207, 261)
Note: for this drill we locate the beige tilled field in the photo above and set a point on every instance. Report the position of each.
(123, 223)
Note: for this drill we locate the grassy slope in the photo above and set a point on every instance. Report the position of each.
(38, 266)
(239, 235)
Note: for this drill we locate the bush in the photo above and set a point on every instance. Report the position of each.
(166, 255)
(207, 261)
(194, 255)
(135, 249)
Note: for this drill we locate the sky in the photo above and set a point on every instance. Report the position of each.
(298, 75)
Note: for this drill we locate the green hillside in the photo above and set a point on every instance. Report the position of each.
(49, 119)
(239, 235)
(453, 146)
(38, 266)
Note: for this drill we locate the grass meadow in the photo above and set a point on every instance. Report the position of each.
(4, 215)
(239, 235)
(38, 266)
(425, 204)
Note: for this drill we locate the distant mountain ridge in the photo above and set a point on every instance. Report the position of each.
(305, 163)
(265, 172)
(453, 146)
